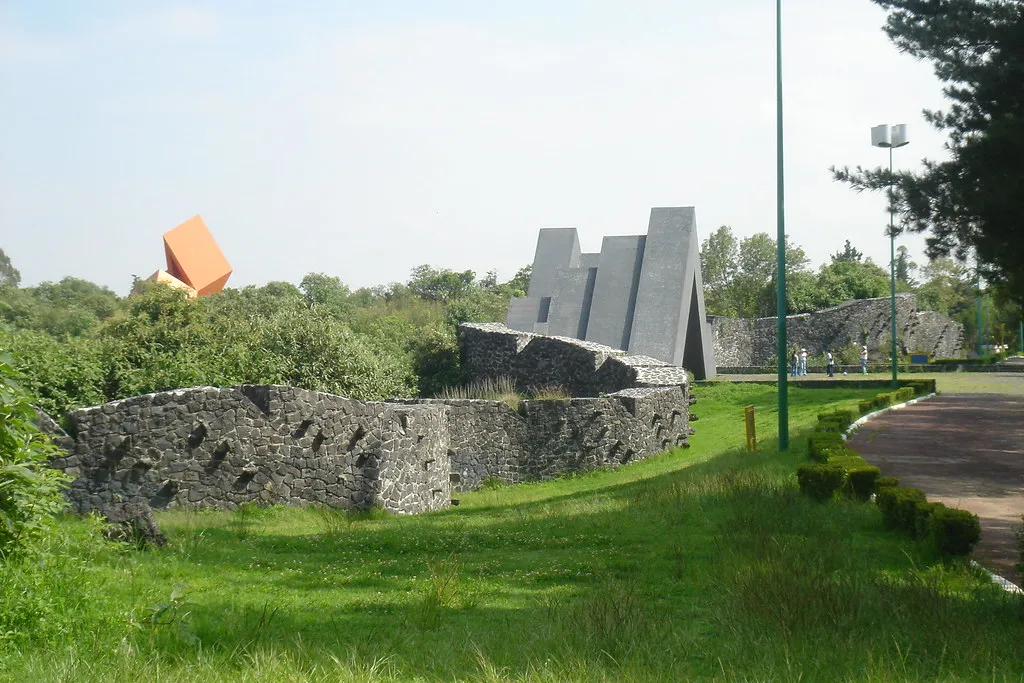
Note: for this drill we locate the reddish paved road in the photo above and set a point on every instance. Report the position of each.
(964, 450)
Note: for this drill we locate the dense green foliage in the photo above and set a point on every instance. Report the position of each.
(30, 492)
(77, 344)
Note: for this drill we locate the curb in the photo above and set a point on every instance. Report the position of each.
(1005, 584)
(861, 420)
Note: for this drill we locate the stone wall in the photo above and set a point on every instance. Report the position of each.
(491, 350)
(752, 342)
(210, 447)
(548, 438)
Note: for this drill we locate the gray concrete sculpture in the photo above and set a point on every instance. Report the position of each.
(643, 293)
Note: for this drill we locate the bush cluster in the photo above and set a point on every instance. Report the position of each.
(77, 344)
(838, 471)
(30, 491)
(914, 387)
(948, 530)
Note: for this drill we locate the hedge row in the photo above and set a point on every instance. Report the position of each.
(839, 471)
(902, 395)
(948, 530)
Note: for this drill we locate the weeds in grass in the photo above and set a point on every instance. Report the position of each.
(493, 389)
(442, 592)
(242, 521)
(190, 538)
(331, 521)
(491, 484)
(551, 392)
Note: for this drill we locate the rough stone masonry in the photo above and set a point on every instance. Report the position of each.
(222, 447)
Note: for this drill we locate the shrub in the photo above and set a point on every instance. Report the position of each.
(838, 420)
(831, 426)
(866, 406)
(861, 478)
(923, 516)
(882, 401)
(820, 481)
(845, 417)
(821, 443)
(881, 482)
(954, 532)
(921, 386)
(904, 394)
(899, 507)
(30, 491)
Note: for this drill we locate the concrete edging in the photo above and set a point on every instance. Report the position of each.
(1005, 584)
(861, 420)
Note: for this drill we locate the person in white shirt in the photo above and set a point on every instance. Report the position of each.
(863, 360)
(830, 364)
(803, 361)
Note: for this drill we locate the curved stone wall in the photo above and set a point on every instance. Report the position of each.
(752, 341)
(212, 447)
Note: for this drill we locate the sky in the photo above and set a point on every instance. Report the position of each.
(361, 139)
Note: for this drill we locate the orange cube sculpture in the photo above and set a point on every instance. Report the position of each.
(194, 258)
(163, 277)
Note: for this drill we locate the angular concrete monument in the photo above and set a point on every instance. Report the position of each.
(642, 293)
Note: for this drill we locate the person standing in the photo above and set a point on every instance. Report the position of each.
(863, 360)
(830, 364)
(803, 361)
(794, 364)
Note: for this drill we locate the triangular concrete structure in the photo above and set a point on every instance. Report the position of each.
(642, 293)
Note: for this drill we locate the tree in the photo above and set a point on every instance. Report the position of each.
(905, 268)
(9, 275)
(434, 284)
(847, 254)
(719, 256)
(326, 294)
(974, 200)
(841, 281)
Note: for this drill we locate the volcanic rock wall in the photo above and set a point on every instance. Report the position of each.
(752, 341)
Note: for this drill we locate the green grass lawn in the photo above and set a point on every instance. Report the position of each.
(697, 564)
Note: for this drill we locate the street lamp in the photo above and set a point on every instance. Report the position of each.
(780, 243)
(891, 137)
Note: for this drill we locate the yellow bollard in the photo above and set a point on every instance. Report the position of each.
(751, 429)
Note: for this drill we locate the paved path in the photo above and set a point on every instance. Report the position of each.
(964, 450)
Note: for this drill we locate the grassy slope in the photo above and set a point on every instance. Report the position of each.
(696, 564)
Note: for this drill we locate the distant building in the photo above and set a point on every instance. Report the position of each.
(641, 293)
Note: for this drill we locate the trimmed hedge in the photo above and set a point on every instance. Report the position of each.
(820, 481)
(954, 532)
(899, 507)
(886, 481)
(866, 406)
(820, 444)
(920, 386)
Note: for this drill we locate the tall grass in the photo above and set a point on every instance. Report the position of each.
(494, 389)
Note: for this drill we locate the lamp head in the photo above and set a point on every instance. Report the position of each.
(899, 136)
(890, 136)
(881, 136)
